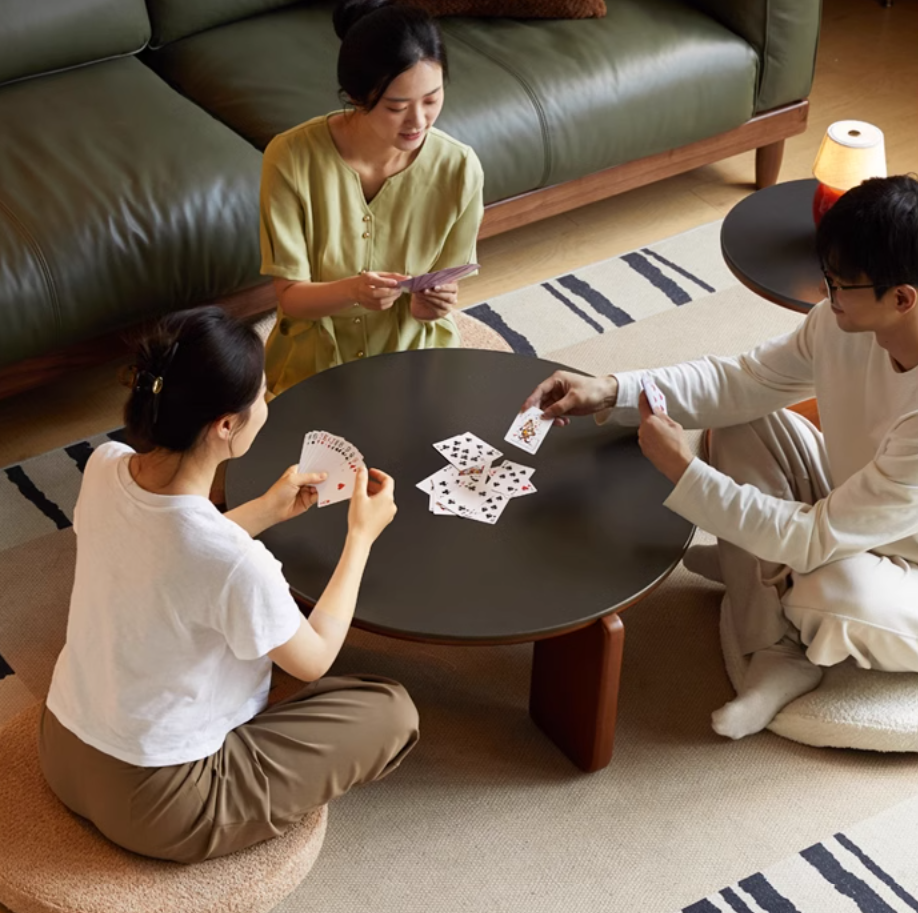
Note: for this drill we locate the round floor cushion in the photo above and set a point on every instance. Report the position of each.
(851, 708)
(53, 860)
(478, 335)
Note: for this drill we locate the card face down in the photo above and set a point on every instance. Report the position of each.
(440, 277)
(654, 394)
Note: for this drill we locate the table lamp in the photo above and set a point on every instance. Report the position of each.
(851, 152)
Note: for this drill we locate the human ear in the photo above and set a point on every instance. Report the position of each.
(906, 298)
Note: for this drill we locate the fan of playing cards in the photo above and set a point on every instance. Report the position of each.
(324, 452)
(472, 486)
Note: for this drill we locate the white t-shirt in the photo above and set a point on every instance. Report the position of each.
(868, 411)
(173, 612)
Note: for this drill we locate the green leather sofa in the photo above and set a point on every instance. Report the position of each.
(132, 133)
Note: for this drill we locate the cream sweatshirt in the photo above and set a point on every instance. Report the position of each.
(869, 415)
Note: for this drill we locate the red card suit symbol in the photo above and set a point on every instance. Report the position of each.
(340, 486)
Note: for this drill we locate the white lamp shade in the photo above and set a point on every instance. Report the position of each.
(851, 152)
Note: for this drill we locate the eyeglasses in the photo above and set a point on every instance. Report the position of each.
(832, 288)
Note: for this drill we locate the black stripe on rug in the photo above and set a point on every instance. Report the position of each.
(595, 299)
(79, 453)
(736, 902)
(762, 891)
(702, 906)
(845, 882)
(643, 267)
(5, 668)
(30, 492)
(682, 272)
(487, 315)
(874, 869)
(583, 315)
(119, 435)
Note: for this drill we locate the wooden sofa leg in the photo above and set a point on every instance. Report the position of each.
(768, 164)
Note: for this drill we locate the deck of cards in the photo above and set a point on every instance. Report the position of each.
(440, 277)
(324, 452)
(471, 486)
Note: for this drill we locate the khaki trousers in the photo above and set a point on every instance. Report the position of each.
(864, 607)
(294, 756)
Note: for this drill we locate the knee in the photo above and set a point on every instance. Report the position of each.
(845, 588)
(402, 714)
(389, 710)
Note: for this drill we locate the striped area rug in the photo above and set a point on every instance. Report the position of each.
(597, 299)
(872, 869)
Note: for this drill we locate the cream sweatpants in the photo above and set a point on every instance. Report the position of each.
(865, 606)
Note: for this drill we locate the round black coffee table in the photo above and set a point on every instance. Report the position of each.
(769, 243)
(556, 569)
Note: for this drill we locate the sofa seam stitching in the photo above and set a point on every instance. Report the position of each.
(529, 90)
(35, 247)
(126, 55)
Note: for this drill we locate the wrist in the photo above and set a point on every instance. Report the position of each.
(611, 392)
(358, 544)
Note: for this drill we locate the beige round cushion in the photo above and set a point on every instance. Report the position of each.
(478, 335)
(851, 708)
(53, 860)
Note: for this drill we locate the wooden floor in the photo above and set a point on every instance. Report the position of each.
(867, 69)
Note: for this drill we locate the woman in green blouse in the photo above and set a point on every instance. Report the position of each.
(354, 201)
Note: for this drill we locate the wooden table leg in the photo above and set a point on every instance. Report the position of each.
(573, 695)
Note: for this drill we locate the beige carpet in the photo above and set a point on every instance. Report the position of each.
(487, 815)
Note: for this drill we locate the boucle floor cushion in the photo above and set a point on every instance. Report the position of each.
(52, 860)
(851, 708)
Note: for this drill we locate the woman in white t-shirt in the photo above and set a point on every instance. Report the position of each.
(157, 727)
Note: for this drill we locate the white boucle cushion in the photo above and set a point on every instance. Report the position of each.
(851, 708)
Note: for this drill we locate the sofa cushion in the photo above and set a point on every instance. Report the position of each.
(541, 102)
(121, 200)
(175, 19)
(652, 75)
(264, 75)
(518, 9)
(39, 37)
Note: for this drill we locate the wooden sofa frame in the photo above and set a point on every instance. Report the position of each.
(765, 133)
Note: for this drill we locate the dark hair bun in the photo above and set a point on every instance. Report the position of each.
(347, 12)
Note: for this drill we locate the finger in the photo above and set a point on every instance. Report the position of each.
(538, 395)
(384, 280)
(644, 406)
(303, 479)
(561, 406)
(383, 480)
(360, 483)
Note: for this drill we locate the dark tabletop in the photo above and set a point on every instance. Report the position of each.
(769, 243)
(593, 538)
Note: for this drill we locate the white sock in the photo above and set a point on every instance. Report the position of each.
(776, 676)
(704, 560)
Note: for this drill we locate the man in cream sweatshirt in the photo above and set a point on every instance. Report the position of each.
(817, 531)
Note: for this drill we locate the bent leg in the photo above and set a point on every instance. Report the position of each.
(864, 607)
(782, 455)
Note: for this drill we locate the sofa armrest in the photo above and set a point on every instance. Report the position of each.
(784, 33)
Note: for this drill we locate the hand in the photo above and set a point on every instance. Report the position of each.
(292, 494)
(565, 394)
(376, 291)
(372, 506)
(663, 442)
(436, 302)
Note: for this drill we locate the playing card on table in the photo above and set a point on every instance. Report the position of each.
(490, 509)
(529, 429)
(509, 478)
(440, 277)
(465, 450)
(654, 394)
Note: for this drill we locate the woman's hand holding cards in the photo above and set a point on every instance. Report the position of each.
(372, 506)
(435, 303)
(292, 494)
(376, 291)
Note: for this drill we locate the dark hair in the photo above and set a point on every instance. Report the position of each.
(192, 368)
(379, 41)
(872, 231)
